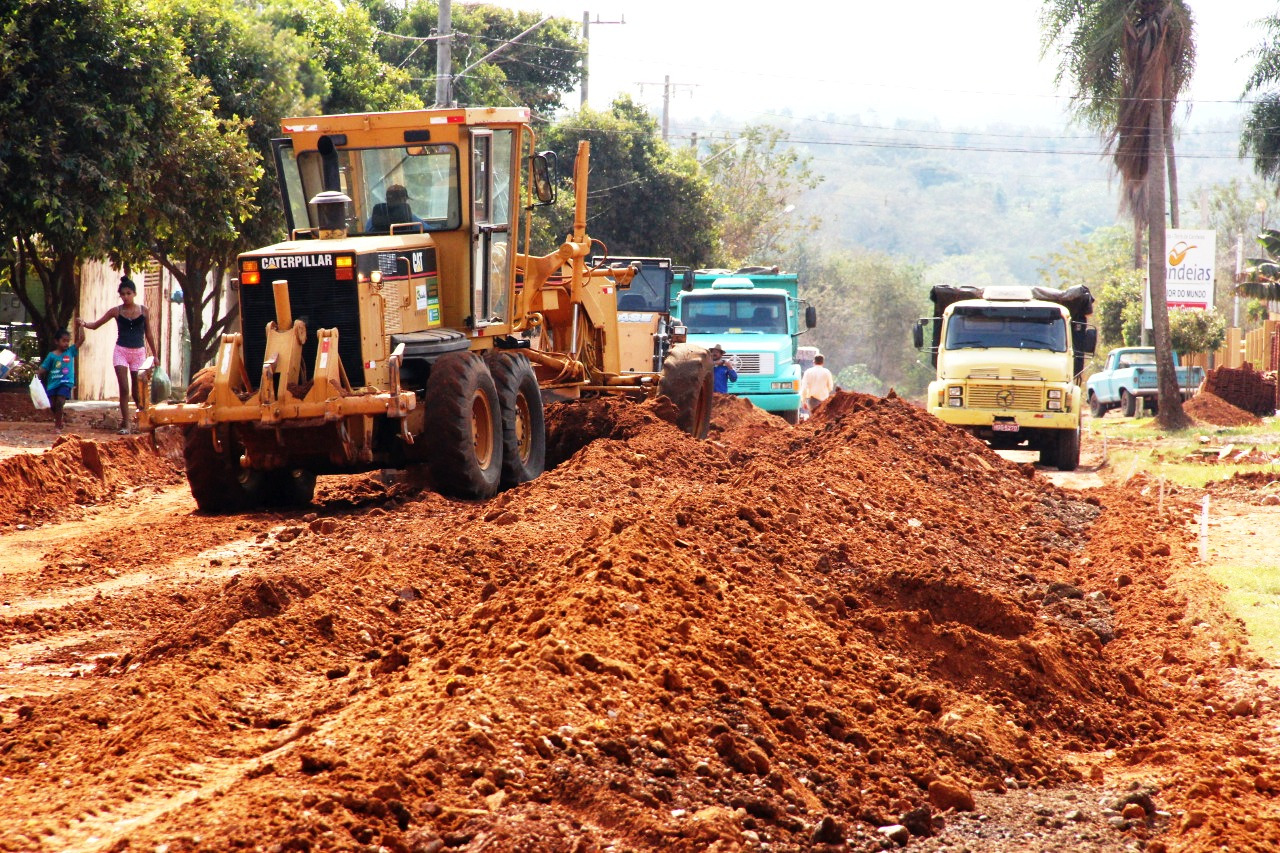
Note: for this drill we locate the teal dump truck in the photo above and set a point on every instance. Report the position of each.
(755, 315)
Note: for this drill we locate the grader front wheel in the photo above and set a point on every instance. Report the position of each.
(217, 481)
(687, 382)
(464, 425)
(524, 431)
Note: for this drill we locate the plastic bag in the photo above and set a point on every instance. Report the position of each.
(161, 386)
(39, 396)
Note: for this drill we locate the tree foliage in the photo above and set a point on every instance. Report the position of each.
(340, 65)
(1101, 263)
(866, 306)
(536, 72)
(758, 176)
(1261, 135)
(1095, 41)
(92, 93)
(1262, 275)
(251, 70)
(645, 199)
(1193, 331)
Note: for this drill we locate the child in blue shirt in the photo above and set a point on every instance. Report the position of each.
(58, 370)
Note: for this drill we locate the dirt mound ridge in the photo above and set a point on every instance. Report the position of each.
(1212, 409)
(79, 471)
(790, 634)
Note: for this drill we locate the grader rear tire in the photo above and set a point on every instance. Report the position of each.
(524, 430)
(686, 381)
(464, 424)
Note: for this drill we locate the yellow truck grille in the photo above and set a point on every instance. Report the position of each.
(1006, 397)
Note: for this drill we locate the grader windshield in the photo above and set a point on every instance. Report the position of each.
(404, 189)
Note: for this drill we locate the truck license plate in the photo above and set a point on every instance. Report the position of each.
(1004, 426)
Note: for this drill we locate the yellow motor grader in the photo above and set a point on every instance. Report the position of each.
(406, 322)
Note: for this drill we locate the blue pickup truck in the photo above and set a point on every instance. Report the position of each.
(1129, 381)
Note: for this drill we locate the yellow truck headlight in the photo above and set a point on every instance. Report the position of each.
(1055, 393)
(955, 391)
(1055, 404)
(955, 402)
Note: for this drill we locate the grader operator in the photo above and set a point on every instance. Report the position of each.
(406, 322)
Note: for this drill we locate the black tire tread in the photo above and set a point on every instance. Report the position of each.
(514, 378)
(455, 470)
(687, 382)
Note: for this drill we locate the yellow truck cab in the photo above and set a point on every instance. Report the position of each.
(1008, 361)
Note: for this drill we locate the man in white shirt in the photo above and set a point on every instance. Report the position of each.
(816, 385)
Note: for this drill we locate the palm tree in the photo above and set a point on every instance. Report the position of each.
(1129, 60)
(1261, 136)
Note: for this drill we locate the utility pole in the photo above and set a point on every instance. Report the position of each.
(586, 54)
(666, 106)
(667, 86)
(444, 56)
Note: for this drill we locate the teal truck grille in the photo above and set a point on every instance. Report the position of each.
(754, 363)
(1020, 398)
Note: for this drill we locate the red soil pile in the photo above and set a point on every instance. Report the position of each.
(77, 472)
(1212, 409)
(791, 635)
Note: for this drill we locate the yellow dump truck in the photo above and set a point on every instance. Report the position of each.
(1008, 364)
(406, 321)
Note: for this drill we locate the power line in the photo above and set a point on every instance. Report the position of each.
(978, 132)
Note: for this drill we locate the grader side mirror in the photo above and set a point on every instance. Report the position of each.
(544, 168)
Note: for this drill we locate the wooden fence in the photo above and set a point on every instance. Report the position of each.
(1260, 348)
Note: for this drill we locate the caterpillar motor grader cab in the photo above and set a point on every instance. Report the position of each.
(406, 322)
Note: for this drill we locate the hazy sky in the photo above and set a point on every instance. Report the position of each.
(965, 63)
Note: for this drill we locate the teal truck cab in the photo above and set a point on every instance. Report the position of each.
(756, 317)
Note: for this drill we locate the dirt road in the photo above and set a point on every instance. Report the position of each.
(782, 638)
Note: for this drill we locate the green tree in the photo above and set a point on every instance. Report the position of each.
(340, 64)
(1101, 263)
(91, 91)
(856, 377)
(1196, 331)
(536, 72)
(1236, 210)
(645, 199)
(1129, 61)
(1261, 135)
(212, 197)
(1094, 40)
(758, 177)
(866, 305)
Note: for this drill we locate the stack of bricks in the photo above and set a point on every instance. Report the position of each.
(1244, 388)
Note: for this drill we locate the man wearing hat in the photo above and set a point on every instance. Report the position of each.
(724, 372)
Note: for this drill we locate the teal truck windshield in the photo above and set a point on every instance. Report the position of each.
(415, 186)
(716, 314)
(1012, 327)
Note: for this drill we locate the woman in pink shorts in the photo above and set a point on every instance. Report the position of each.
(133, 336)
